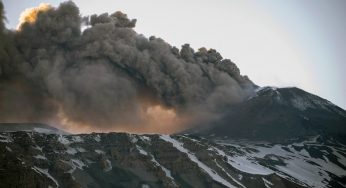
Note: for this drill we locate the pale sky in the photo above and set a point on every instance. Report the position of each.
(280, 43)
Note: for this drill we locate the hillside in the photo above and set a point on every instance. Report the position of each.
(34, 159)
(278, 114)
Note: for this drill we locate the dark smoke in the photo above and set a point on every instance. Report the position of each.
(106, 75)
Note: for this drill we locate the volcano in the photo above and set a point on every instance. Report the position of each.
(278, 114)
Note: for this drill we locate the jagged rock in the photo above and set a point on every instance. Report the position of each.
(125, 160)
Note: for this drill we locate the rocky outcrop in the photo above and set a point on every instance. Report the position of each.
(31, 159)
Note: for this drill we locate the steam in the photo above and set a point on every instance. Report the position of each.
(108, 77)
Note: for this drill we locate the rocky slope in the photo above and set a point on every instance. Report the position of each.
(32, 159)
(30, 127)
(278, 115)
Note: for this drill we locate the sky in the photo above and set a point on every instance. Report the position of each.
(280, 43)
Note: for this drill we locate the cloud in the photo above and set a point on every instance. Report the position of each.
(30, 15)
(109, 77)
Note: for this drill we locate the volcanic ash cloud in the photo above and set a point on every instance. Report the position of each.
(108, 77)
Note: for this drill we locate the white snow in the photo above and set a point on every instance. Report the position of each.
(193, 158)
(145, 186)
(274, 90)
(5, 138)
(133, 138)
(62, 139)
(310, 101)
(8, 149)
(45, 172)
(267, 183)
(193, 140)
(74, 139)
(99, 151)
(40, 157)
(80, 149)
(37, 148)
(75, 163)
(108, 166)
(71, 151)
(43, 130)
(77, 139)
(145, 138)
(78, 163)
(97, 138)
(141, 151)
(341, 158)
(89, 161)
(298, 165)
(167, 172)
(266, 88)
(218, 165)
(244, 163)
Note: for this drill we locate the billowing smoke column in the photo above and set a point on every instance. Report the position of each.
(108, 77)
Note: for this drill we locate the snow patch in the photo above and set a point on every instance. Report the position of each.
(141, 151)
(165, 170)
(6, 138)
(145, 186)
(75, 163)
(133, 138)
(71, 151)
(193, 158)
(108, 166)
(267, 183)
(8, 149)
(97, 138)
(40, 157)
(218, 165)
(99, 151)
(294, 164)
(80, 149)
(43, 130)
(145, 138)
(37, 148)
(45, 172)
(244, 163)
(77, 139)
(62, 139)
(78, 163)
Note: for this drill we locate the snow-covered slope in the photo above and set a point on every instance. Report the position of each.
(33, 159)
(30, 127)
(312, 163)
(299, 99)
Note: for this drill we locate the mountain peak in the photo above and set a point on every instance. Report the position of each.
(298, 98)
(278, 114)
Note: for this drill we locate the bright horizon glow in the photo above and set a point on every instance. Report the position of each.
(274, 42)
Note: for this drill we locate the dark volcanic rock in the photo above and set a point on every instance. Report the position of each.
(30, 159)
(278, 114)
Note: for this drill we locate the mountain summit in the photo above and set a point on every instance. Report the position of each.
(278, 114)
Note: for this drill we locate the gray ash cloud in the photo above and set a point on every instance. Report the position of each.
(106, 74)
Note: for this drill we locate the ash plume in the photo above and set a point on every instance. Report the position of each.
(108, 76)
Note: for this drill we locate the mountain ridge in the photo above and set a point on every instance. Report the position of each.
(276, 114)
(34, 159)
